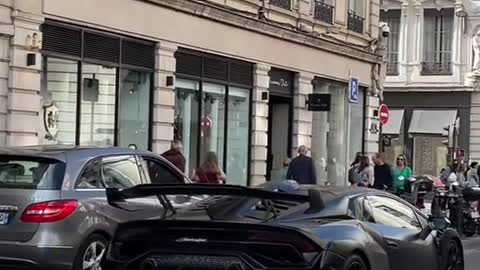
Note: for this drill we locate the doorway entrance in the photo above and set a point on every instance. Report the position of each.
(279, 135)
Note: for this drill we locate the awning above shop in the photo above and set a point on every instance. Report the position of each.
(431, 122)
(395, 119)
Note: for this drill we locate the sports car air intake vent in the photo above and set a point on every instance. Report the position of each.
(260, 210)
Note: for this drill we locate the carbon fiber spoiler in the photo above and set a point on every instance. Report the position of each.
(115, 196)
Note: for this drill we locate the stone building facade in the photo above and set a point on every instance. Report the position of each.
(232, 77)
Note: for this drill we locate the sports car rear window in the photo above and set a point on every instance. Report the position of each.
(30, 173)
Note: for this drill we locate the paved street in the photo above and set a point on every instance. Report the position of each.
(472, 253)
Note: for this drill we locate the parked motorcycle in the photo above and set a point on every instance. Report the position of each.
(460, 206)
(416, 188)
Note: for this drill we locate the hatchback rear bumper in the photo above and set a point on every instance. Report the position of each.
(16, 256)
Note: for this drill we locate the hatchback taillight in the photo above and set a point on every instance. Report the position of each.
(47, 212)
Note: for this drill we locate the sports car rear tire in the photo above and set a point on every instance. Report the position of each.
(355, 262)
(451, 253)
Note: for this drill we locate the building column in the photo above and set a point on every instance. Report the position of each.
(417, 50)
(302, 118)
(372, 126)
(6, 32)
(475, 126)
(259, 141)
(163, 98)
(23, 97)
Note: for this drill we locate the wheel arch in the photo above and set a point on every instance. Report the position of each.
(361, 253)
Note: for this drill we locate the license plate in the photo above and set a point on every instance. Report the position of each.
(4, 218)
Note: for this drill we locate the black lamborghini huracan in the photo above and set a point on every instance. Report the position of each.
(281, 225)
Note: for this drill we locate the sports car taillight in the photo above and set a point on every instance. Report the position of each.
(47, 212)
(303, 245)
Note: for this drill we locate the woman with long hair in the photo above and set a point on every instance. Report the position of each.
(209, 172)
(401, 173)
(363, 173)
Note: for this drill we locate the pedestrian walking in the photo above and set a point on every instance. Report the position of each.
(363, 175)
(353, 167)
(382, 172)
(175, 155)
(209, 172)
(472, 175)
(401, 174)
(302, 168)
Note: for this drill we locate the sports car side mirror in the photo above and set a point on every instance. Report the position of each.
(438, 224)
(434, 224)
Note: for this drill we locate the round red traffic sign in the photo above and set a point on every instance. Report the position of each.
(384, 114)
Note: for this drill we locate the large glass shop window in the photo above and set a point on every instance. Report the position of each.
(59, 99)
(213, 121)
(133, 110)
(98, 105)
(206, 132)
(238, 131)
(186, 120)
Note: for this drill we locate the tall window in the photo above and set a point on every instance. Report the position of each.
(437, 48)
(392, 18)
(356, 16)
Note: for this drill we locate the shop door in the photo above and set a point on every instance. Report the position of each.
(279, 136)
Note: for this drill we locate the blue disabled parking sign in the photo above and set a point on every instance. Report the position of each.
(353, 90)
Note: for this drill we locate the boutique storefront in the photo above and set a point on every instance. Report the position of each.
(337, 134)
(96, 87)
(212, 111)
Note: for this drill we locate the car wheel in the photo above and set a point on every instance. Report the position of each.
(452, 256)
(355, 262)
(90, 254)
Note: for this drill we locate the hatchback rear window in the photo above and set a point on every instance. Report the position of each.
(31, 173)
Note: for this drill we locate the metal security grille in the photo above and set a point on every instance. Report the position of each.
(101, 47)
(76, 41)
(62, 40)
(138, 54)
(203, 65)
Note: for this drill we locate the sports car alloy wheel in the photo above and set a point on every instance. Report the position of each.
(455, 257)
(93, 256)
(355, 262)
(357, 266)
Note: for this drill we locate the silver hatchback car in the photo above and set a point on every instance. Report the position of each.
(53, 208)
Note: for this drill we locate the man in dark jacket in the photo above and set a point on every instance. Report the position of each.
(301, 168)
(382, 173)
(175, 155)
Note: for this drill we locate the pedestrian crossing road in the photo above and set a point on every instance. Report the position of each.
(472, 253)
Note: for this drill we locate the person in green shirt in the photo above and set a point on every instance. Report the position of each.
(401, 174)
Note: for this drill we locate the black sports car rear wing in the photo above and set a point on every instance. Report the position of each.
(115, 196)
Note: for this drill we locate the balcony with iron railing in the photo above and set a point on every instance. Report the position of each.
(285, 4)
(436, 68)
(323, 12)
(355, 22)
